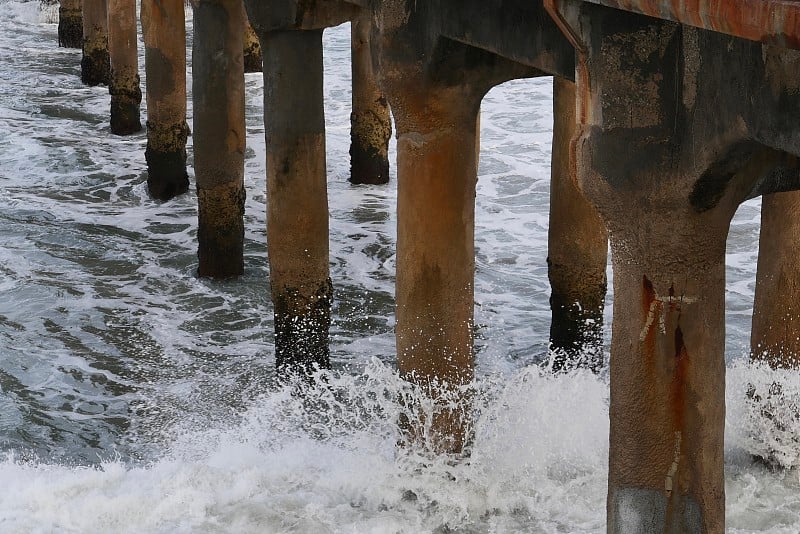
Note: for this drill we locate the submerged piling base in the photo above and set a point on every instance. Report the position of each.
(96, 61)
(70, 26)
(220, 230)
(125, 102)
(95, 66)
(166, 160)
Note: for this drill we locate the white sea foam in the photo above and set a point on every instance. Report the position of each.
(280, 468)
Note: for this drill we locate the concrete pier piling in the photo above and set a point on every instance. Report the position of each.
(290, 33)
(577, 250)
(253, 60)
(126, 95)
(219, 135)
(370, 121)
(775, 335)
(95, 63)
(668, 147)
(70, 24)
(297, 184)
(164, 32)
(435, 88)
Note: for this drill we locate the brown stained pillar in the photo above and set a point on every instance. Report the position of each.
(370, 123)
(123, 51)
(297, 199)
(577, 251)
(667, 406)
(666, 184)
(95, 64)
(163, 26)
(435, 87)
(776, 312)
(219, 135)
(70, 24)
(436, 257)
(253, 62)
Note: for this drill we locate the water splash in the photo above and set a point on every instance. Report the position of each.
(764, 412)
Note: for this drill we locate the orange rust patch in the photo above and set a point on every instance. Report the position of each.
(775, 22)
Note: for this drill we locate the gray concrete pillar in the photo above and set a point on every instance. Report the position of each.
(297, 200)
(164, 31)
(577, 251)
(95, 63)
(70, 24)
(775, 336)
(219, 135)
(123, 52)
(370, 123)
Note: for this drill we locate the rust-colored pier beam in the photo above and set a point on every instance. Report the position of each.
(773, 22)
(678, 125)
(290, 33)
(123, 52)
(164, 32)
(219, 135)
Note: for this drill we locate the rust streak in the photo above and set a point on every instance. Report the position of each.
(648, 295)
(678, 394)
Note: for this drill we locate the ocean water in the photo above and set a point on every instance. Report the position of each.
(137, 398)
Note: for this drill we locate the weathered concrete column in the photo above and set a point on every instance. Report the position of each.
(95, 64)
(253, 61)
(297, 198)
(667, 149)
(577, 250)
(123, 51)
(70, 24)
(290, 32)
(667, 372)
(435, 87)
(370, 123)
(669, 146)
(164, 30)
(436, 255)
(776, 310)
(219, 135)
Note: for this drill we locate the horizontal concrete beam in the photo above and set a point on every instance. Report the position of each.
(519, 30)
(276, 15)
(775, 22)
